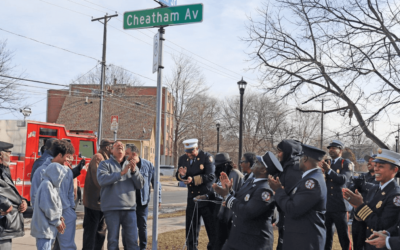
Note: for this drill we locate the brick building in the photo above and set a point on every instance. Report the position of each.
(78, 109)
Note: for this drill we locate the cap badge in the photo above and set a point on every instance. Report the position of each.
(310, 184)
(294, 190)
(247, 197)
(265, 196)
(338, 171)
(187, 144)
(201, 166)
(379, 204)
(379, 151)
(396, 201)
(383, 193)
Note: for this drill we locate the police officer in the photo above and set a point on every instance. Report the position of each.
(358, 228)
(337, 177)
(381, 207)
(252, 206)
(196, 169)
(305, 205)
(288, 151)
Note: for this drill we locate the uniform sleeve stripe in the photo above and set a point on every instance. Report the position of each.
(229, 202)
(368, 214)
(362, 210)
(362, 213)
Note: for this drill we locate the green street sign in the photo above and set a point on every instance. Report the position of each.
(177, 15)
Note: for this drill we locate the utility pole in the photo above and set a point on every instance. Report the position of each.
(322, 121)
(105, 19)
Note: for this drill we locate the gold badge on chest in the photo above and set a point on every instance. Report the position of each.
(379, 204)
(201, 166)
(247, 197)
(338, 171)
(383, 193)
(198, 159)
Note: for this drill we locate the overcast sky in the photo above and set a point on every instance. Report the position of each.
(215, 44)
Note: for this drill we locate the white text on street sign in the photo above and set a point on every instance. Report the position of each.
(177, 15)
(114, 123)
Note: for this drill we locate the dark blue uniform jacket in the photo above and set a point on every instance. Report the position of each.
(380, 209)
(335, 181)
(252, 206)
(304, 210)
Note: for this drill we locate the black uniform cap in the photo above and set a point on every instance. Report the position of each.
(5, 146)
(336, 143)
(270, 161)
(222, 158)
(313, 152)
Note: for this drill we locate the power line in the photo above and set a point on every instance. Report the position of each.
(48, 44)
(65, 8)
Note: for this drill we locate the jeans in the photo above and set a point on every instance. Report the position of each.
(5, 244)
(125, 219)
(94, 230)
(141, 213)
(67, 240)
(44, 244)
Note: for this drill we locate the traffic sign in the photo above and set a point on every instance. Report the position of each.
(169, 2)
(178, 15)
(156, 51)
(114, 123)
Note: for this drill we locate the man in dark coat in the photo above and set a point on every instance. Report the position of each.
(388, 238)
(337, 176)
(47, 153)
(252, 206)
(11, 202)
(288, 151)
(196, 169)
(305, 206)
(381, 207)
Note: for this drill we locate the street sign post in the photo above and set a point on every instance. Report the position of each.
(160, 17)
(156, 51)
(114, 125)
(177, 15)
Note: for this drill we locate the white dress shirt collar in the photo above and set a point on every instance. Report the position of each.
(308, 171)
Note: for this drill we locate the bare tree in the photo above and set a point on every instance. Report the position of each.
(10, 96)
(185, 83)
(114, 75)
(330, 48)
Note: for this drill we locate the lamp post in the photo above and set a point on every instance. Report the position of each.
(217, 125)
(397, 144)
(242, 86)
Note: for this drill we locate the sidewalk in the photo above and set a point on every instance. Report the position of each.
(164, 225)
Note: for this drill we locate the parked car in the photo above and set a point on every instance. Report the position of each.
(167, 170)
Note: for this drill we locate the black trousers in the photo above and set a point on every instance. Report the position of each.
(221, 229)
(359, 234)
(340, 221)
(193, 224)
(94, 230)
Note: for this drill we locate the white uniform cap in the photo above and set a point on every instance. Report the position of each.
(387, 156)
(190, 144)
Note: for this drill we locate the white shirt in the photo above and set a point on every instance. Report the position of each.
(259, 179)
(333, 162)
(381, 187)
(307, 172)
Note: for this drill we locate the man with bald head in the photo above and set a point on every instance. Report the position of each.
(119, 179)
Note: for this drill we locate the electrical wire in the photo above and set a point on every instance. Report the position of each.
(49, 44)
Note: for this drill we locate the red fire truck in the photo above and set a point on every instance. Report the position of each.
(30, 137)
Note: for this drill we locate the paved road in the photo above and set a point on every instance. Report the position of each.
(168, 197)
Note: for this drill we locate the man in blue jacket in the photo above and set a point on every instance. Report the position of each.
(142, 195)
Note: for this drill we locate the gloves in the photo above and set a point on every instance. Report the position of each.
(81, 164)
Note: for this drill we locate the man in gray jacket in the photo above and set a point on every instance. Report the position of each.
(119, 179)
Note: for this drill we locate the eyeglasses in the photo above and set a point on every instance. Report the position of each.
(243, 161)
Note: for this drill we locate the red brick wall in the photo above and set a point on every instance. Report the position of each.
(55, 101)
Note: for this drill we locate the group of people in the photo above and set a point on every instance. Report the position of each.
(302, 190)
(117, 194)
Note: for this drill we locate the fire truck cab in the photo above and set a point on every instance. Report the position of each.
(29, 138)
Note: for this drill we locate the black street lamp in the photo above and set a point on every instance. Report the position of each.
(242, 86)
(397, 143)
(218, 125)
